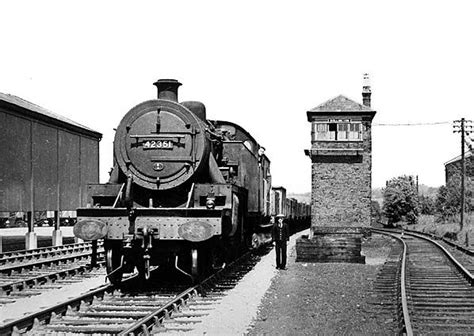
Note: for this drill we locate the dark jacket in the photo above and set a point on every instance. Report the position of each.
(280, 234)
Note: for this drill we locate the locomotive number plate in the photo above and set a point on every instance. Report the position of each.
(158, 144)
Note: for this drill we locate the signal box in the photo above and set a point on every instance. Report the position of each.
(341, 159)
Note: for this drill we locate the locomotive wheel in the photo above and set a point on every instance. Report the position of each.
(114, 265)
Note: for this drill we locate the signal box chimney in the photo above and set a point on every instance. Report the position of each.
(366, 92)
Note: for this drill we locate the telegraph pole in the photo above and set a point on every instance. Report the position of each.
(464, 127)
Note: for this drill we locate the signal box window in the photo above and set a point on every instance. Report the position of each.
(338, 131)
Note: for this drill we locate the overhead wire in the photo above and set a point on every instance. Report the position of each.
(414, 124)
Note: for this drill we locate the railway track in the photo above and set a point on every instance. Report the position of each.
(386, 296)
(464, 255)
(436, 291)
(36, 281)
(26, 261)
(168, 308)
(31, 272)
(22, 256)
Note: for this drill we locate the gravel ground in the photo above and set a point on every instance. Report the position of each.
(326, 298)
(234, 314)
(305, 299)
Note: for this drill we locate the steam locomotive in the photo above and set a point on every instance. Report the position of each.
(184, 191)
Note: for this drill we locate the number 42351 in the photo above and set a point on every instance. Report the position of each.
(158, 144)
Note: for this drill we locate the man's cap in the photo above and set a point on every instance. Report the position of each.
(280, 215)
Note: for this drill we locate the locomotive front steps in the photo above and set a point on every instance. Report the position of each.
(331, 244)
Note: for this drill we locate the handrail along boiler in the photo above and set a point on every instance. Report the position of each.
(184, 190)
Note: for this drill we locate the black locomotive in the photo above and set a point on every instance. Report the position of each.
(184, 190)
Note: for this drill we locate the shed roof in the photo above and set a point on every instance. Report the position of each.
(34, 111)
(468, 154)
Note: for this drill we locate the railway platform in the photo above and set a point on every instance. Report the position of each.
(327, 298)
(15, 238)
(306, 298)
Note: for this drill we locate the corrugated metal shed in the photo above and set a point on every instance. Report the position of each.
(36, 112)
(46, 160)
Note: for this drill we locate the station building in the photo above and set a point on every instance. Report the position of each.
(453, 166)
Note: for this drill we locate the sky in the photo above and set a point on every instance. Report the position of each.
(260, 64)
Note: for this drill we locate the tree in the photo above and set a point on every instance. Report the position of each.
(427, 205)
(400, 200)
(448, 199)
(375, 210)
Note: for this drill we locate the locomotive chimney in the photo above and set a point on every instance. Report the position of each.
(366, 92)
(167, 89)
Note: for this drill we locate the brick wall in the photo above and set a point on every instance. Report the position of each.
(454, 167)
(341, 184)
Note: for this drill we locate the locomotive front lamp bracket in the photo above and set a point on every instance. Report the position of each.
(144, 234)
(211, 199)
(210, 203)
(158, 120)
(147, 237)
(127, 241)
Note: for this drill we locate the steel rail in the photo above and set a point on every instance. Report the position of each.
(26, 322)
(61, 308)
(42, 279)
(155, 317)
(9, 254)
(141, 327)
(403, 285)
(441, 300)
(23, 255)
(430, 238)
(469, 277)
(451, 243)
(449, 260)
(403, 291)
(447, 241)
(17, 268)
(44, 255)
(47, 249)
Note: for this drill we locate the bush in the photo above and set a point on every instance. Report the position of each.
(427, 205)
(400, 200)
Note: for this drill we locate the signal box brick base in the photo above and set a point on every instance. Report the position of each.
(331, 244)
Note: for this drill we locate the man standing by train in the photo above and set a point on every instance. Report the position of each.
(280, 236)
